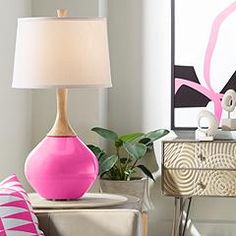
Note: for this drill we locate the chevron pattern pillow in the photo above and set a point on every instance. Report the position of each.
(16, 214)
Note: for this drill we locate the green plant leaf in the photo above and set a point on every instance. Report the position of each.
(129, 172)
(107, 164)
(146, 171)
(123, 160)
(156, 134)
(145, 140)
(130, 137)
(96, 150)
(136, 150)
(113, 174)
(118, 143)
(105, 133)
(102, 156)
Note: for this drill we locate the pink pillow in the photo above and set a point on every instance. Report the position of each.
(16, 214)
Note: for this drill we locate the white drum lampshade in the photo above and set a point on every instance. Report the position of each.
(62, 53)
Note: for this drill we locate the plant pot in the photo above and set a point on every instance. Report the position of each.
(137, 188)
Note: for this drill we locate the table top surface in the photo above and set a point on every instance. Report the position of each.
(187, 140)
(88, 201)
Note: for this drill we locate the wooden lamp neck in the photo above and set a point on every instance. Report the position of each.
(62, 126)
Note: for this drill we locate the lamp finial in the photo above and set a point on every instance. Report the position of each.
(62, 12)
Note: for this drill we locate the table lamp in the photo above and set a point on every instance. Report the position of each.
(61, 53)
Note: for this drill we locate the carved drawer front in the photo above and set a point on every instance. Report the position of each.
(187, 182)
(203, 155)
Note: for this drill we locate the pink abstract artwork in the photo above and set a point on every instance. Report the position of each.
(187, 83)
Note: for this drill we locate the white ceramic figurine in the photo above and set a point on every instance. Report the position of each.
(228, 104)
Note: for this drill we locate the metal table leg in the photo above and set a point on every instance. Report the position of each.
(180, 220)
(181, 207)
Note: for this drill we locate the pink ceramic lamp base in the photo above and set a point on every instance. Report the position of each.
(61, 168)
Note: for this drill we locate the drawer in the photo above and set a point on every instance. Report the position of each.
(186, 182)
(203, 155)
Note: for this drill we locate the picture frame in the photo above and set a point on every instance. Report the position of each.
(203, 58)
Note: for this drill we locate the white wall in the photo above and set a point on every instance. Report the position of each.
(15, 124)
(86, 106)
(125, 109)
(140, 65)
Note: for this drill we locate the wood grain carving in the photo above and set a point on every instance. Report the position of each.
(199, 183)
(180, 155)
(199, 168)
(210, 155)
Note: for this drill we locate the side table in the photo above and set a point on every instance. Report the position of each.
(126, 219)
(191, 168)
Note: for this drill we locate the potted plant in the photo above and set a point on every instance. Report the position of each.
(119, 169)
